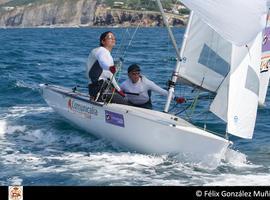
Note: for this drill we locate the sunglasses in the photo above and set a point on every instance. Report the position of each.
(135, 73)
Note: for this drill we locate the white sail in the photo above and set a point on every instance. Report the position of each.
(265, 64)
(219, 106)
(217, 65)
(237, 21)
(244, 89)
(237, 99)
(206, 56)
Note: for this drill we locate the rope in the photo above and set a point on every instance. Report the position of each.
(122, 50)
(192, 106)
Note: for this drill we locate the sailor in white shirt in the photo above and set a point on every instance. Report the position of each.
(100, 69)
(140, 85)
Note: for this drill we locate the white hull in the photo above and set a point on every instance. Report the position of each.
(140, 130)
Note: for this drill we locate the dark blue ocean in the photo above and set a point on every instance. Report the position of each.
(38, 147)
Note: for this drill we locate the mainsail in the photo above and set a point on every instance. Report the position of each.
(223, 56)
(207, 56)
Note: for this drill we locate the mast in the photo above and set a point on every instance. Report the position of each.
(179, 54)
(169, 29)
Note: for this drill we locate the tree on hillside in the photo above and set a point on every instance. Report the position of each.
(139, 4)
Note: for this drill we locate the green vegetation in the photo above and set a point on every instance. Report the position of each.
(140, 4)
(13, 3)
(127, 4)
(147, 4)
(18, 3)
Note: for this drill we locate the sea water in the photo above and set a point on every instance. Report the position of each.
(38, 147)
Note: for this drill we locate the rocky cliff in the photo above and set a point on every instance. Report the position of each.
(56, 13)
(118, 17)
(77, 13)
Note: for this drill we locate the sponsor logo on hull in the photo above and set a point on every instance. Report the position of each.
(114, 118)
(82, 109)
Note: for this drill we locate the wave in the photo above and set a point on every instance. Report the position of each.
(21, 111)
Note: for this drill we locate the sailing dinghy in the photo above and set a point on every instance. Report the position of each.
(220, 53)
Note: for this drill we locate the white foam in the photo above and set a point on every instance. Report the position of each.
(23, 84)
(26, 161)
(260, 179)
(102, 166)
(29, 109)
(118, 168)
(21, 111)
(41, 136)
(3, 127)
(119, 159)
(15, 181)
(126, 169)
(139, 159)
(237, 159)
(207, 162)
(13, 129)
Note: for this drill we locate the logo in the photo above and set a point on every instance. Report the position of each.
(235, 119)
(114, 118)
(84, 110)
(265, 65)
(15, 193)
